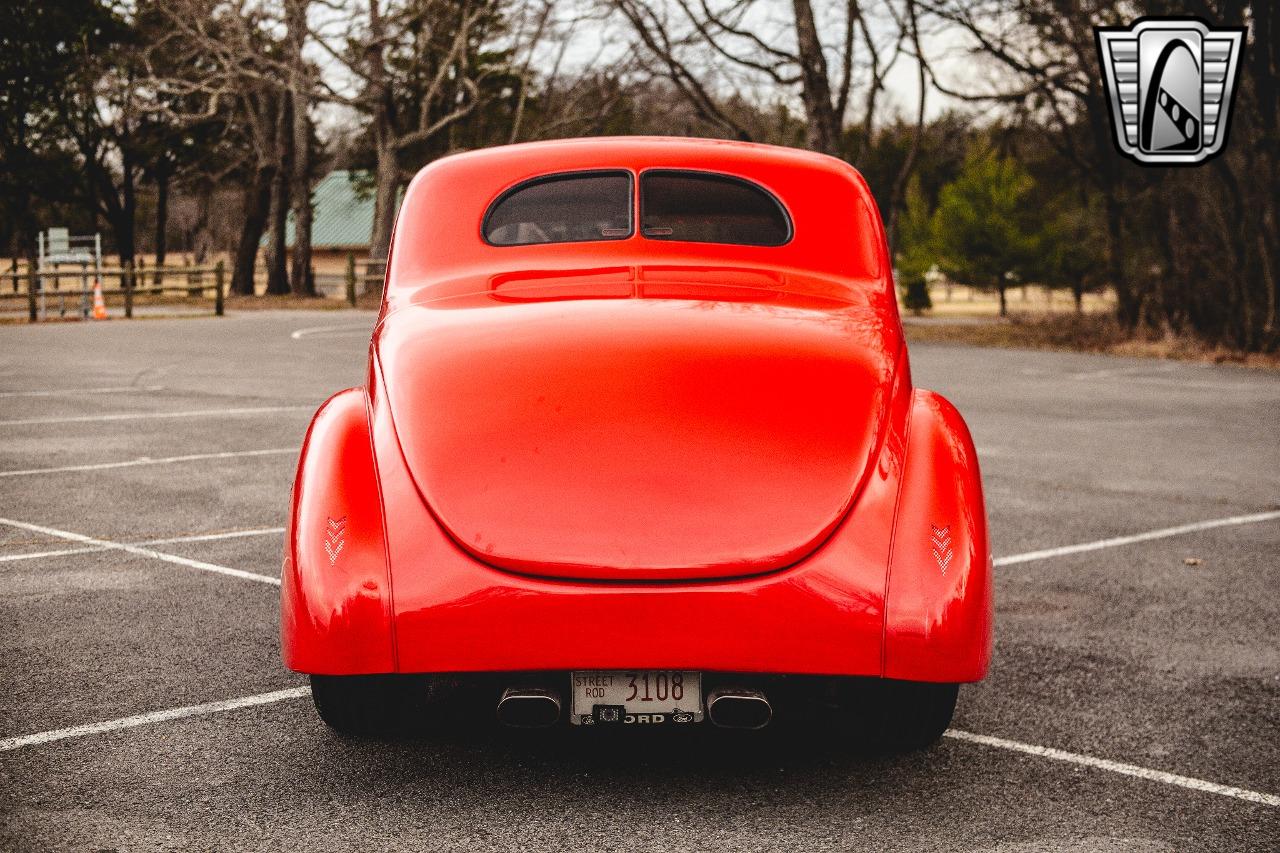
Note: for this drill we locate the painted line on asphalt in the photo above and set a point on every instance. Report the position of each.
(1116, 541)
(299, 334)
(1117, 767)
(211, 537)
(141, 552)
(132, 416)
(1052, 753)
(64, 392)
(1135, 370)
(199, 537)
(1036, 750)
(154, 717)
(147, 460)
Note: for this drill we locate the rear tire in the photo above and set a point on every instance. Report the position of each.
(910, 715)
(361, 705)
(883, 716)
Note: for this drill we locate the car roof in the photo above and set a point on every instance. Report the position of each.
(837, 228)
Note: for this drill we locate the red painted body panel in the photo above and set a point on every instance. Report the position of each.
(638, 439)
(336, 603)
(640, 453)
(939, 614)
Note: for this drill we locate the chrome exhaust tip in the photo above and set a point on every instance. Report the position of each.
(529, 707)
(735, 708)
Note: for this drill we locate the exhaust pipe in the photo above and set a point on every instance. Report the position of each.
(529, 707)
(736, 708)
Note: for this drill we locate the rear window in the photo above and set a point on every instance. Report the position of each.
(706, 208)
(569, 208)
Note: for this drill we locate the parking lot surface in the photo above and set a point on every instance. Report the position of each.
(145, 467)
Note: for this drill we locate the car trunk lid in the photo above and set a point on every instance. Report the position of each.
(638, 438)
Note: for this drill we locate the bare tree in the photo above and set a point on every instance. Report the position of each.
(239, 73)
(1055, 77)
(417, 70)
(712, 49)
(301, 89)
(281, 187)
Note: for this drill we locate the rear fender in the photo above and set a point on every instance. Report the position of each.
(335, 589)
(938, 604)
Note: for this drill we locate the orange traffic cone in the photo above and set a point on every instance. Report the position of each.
(99, 304)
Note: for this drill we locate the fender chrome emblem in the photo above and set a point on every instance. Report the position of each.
(334, 538)
(1170, 83)
(941, 539)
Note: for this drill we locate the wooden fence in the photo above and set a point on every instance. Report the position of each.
(202, 282)
(190, 281)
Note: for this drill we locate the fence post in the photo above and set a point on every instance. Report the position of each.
(31, 290)
(351, 279)
(126, 280)
(218, 274)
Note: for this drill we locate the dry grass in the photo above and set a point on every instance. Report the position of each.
(964, 301)
(15, 312)
(1089, 333)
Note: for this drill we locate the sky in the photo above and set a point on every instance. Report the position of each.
(584, 38)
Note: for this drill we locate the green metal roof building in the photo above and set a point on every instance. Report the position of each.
(343, 213)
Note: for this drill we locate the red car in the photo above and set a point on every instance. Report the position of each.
(639, 446)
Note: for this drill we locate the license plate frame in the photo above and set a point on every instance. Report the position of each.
(618, 697)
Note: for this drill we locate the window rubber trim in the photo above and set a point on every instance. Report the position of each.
(632, 219)
(709, 173)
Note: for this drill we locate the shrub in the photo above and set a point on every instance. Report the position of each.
(916, 299)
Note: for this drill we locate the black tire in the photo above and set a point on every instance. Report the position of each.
(882, 716)
(362, 705)
(909, 715)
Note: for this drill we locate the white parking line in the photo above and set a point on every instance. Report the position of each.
(1115, 541)
(142, 552)
(200, 537)
(1137, 369)
(211, 537)
(1052, 753)
(76, 392)
(132, 416)
(1160, 776)
(147, 460)
(299, 334)
(1118, 767)
(154, 717)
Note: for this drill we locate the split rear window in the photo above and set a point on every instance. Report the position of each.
(575, 207)
(706, 208)
(571, 208)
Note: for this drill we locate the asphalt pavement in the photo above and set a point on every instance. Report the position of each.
(1133, 703)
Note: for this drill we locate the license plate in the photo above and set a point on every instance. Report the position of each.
(642, 697)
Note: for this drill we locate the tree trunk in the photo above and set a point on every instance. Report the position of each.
(384, 206)
(387, 170)
(257, 203)
(162, 219)
(277, 247)
(908, 164)
(118, 205)
(301, 281)
(202, 235)
(126, 236)
(22, 239)
(1004, 305)
(1077, 293)
(1128, 304)
(823, 126)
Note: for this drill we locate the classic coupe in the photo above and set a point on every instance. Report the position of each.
(638, 445)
